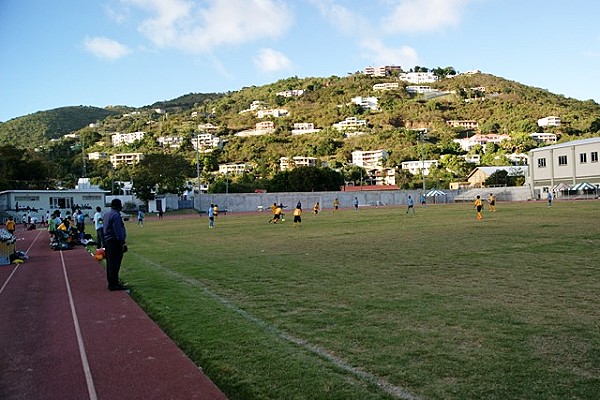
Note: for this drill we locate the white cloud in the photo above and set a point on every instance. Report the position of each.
(342, 18)
(417, 16)
(269, 60)
(182, 24)
(105, 48)
(379, 54)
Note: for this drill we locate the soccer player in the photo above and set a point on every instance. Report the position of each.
(478, 205)
(297, 216)
(411, 205)
(316, 208)
(492, 201)
(277, 210)
(336, 204)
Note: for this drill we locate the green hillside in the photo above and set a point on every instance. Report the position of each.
(36, 129)
(498, 105)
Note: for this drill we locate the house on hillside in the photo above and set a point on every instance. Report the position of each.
(479, 175)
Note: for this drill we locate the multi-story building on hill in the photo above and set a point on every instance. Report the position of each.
(386, 86)
(350, 123)
(286, 164)
(418, 167)
(275, 112)
(170, 141)
(369, 103)
(300, 128)
(468, 143)
(543, 137)
(125, 158)
(549, 121)
(234, 169)
(206, 142)
(126, 138)
(369, 159)
(385, 70)
(291, 93)
(468, 125)
(418, 77)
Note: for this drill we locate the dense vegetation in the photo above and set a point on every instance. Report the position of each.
(497, 104)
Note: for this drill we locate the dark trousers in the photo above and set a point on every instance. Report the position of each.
(114, 256)
(99, 238)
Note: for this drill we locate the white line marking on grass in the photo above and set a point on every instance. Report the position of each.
(396, 391)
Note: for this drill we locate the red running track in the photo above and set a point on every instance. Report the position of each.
(63, 335)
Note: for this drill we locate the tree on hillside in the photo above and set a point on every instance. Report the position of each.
(159, 174)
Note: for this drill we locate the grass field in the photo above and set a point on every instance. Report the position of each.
(378, 304)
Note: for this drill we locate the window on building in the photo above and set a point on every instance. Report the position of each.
(541, 163)
(562, 160)
(583, 158)
(594, 156)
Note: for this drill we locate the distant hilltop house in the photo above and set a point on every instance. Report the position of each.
(206, 142)
(261, 128)
(170, 141)
(479, 175)
(386, 70)
(291, 93)
(234, 169)
(549, 121)
(469, 125)
(275, 112)
(97, 155)
(301, 128)
(418, 77)
(386, 86)
(208, 128)
(126, 138)
(468, 143)
(254, 106)
(350, 123)
(418, 167)
(125, 159)
(285, 163)
(419, 89)
(369, 159)
(542, 137)
(366, 102)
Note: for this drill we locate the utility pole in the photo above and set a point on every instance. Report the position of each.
(420, 138)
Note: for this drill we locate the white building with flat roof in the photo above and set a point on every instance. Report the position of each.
(350, 123)
(298, 161)
(125, 159)
(542, 137)
(468, 143)
(418, 77)
(569, 163)
(233, 169)
(300, 128)
(369, 159)
(206, 142)
(126, 138)
(417, 167)
(549, 121)
(386, 86)
(369, 103)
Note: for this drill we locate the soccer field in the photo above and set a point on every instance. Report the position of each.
(380, 304)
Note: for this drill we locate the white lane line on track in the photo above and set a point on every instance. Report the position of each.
(396, 391)
(86, 366)
(17, 266)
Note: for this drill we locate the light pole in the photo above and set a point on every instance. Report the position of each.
(421, 139)
(198, 170)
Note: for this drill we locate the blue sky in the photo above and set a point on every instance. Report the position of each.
(136, 52)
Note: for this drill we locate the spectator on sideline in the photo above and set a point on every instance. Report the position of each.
(115, 246)
(99, 226)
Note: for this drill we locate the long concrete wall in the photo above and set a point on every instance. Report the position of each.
(244, 202)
